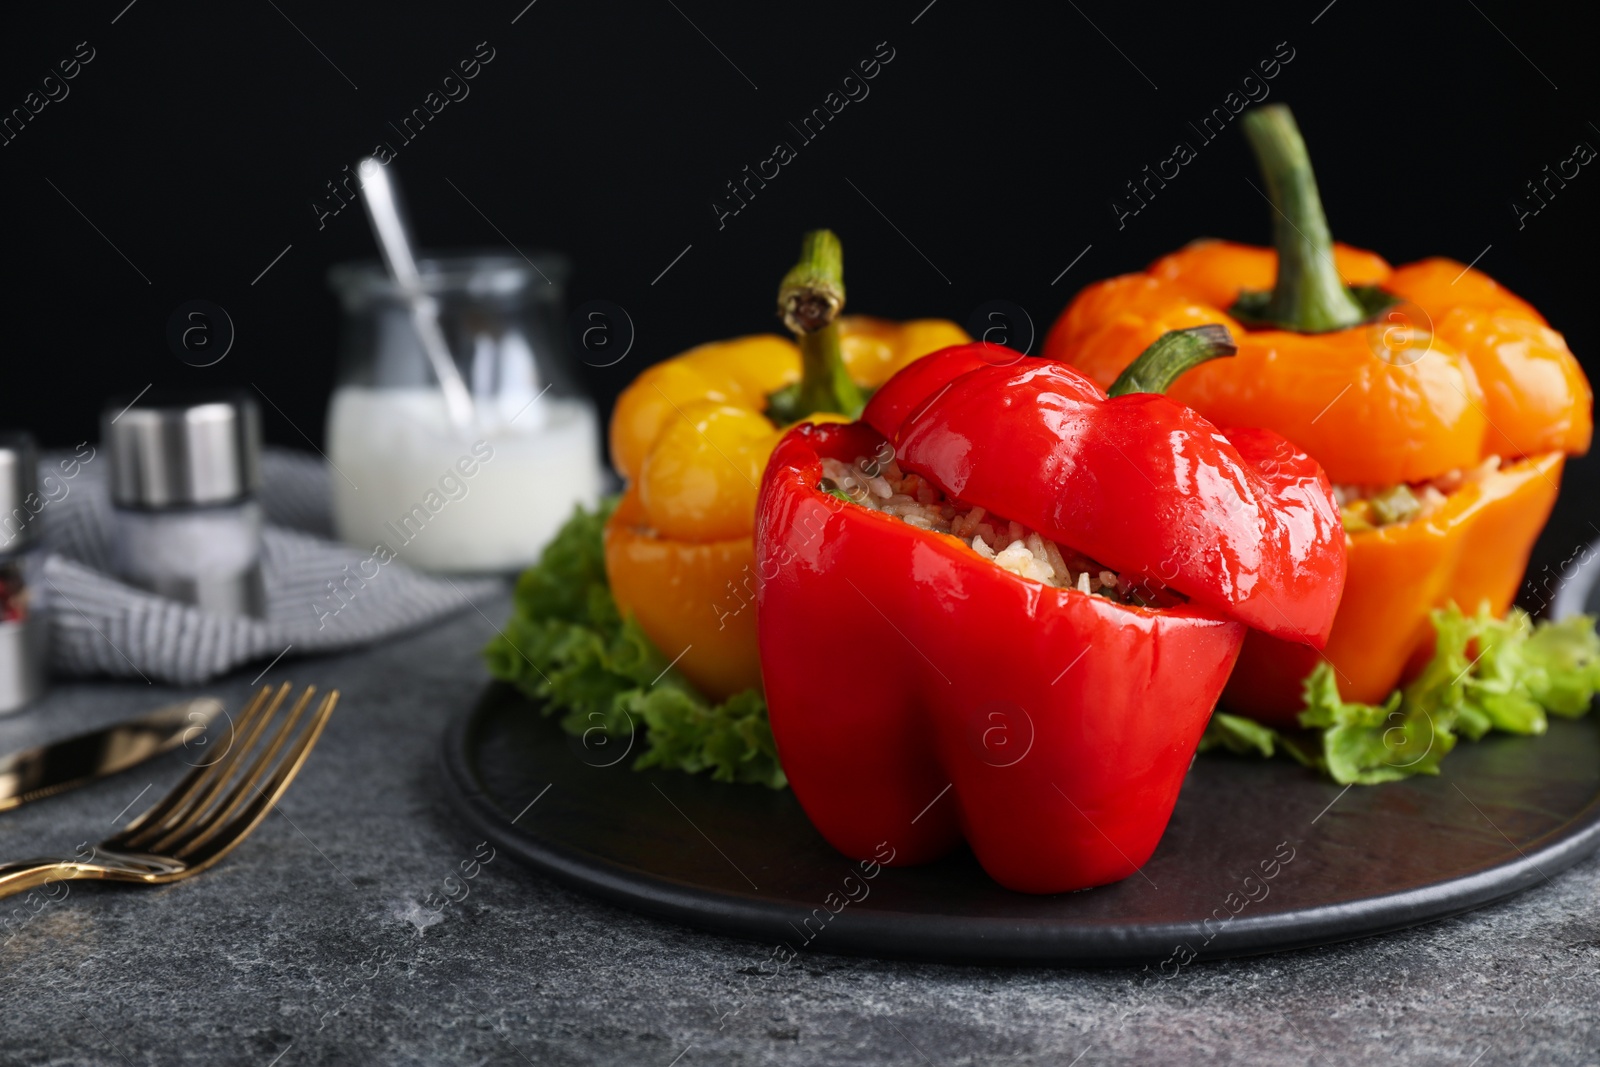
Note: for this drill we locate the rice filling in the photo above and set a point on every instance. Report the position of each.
(1367, 507)
(1008, 544)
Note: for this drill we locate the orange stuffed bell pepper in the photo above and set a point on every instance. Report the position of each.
(1441, 406)
(692, 435)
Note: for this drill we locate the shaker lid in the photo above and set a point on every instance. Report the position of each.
(19, 474)
(177, 450)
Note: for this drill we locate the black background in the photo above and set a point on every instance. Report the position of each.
(201, 134)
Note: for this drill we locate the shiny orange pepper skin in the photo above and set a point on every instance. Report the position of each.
(1470, 370)
(691, 438)
(1535, 395)
(1458, 371)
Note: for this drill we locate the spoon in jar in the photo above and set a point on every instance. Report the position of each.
(381, 197)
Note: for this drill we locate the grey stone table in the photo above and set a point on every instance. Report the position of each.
(310, 944)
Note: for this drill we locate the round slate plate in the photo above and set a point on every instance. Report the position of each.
(1261, 855)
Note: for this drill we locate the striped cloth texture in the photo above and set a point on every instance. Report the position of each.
(101, 626)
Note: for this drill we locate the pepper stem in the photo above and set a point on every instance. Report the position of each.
(810, 298)
(1173, 353)
(1309, 296)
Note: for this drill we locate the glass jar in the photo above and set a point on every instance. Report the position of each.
(408, 483)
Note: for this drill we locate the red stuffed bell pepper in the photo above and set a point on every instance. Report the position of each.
(1019, 640)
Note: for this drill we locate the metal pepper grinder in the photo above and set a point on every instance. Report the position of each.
(185, 472)
(24, 629)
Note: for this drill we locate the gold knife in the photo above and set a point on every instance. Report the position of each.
(73, 761)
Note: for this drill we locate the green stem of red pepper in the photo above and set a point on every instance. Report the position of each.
(810, 298)
(1308, 296)
(1173, 353)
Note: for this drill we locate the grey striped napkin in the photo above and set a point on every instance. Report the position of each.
(99, 626)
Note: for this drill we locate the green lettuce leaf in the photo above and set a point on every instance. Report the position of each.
(569, 649)
(1486, 674)
(1497, 694)
(732, 740)
(1368, 743)
(1560, 665)
(1239, 735)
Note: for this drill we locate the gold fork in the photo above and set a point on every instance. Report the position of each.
(201, 820)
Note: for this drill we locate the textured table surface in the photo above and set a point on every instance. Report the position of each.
(311, 943)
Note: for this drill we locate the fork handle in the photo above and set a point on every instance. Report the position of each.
(20, 877)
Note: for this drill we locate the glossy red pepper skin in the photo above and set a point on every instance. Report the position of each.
(920, 695)
(1241, 521)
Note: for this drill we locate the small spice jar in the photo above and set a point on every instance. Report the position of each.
(23, 627)
(184, 477)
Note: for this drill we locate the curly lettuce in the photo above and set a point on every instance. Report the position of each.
(1241, 736)
(1486, 674)
(568, 648)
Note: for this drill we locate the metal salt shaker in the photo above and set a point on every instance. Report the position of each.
(24, 629)
(184, 477)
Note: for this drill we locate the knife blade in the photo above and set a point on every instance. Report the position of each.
(61, 765)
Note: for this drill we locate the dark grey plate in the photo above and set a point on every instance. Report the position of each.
(1507, 814)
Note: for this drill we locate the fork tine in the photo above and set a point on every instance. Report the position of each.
(222, 836)
(152, 822)
(202, 814)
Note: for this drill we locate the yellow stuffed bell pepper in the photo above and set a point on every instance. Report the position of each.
(692, 435)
